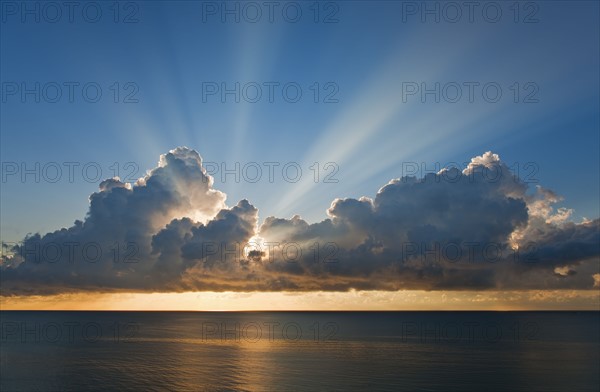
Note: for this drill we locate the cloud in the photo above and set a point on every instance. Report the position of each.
(481, 228)
(111, 247)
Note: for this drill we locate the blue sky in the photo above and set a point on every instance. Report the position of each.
(367, 55)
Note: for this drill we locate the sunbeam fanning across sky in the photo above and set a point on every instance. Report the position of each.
(293, 116)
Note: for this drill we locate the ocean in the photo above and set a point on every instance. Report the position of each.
(299, 351)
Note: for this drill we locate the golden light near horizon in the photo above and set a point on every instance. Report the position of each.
(323, 301)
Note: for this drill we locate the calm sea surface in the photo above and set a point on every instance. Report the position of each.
(306, 351)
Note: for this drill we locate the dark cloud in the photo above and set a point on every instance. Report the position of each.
(480, 228)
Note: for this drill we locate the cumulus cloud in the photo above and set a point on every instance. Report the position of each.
(111, 247)
(479, 228)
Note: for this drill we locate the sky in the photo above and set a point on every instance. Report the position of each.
(300, 122)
